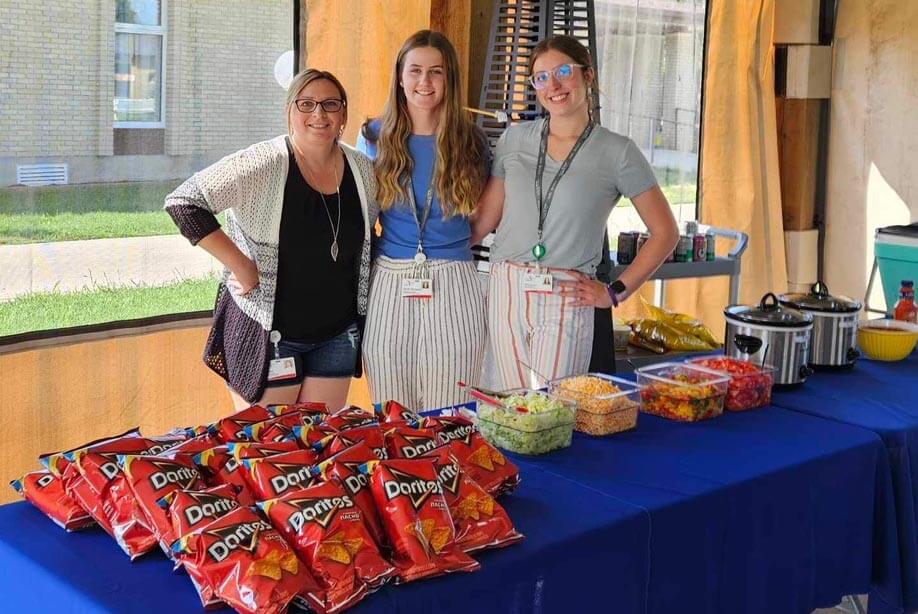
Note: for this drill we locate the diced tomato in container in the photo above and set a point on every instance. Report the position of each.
(750, 383)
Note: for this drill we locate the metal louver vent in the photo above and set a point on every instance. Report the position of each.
(42, 174)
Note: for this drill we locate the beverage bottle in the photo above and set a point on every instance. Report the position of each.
(905, 309)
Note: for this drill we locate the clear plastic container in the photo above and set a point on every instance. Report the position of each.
(682, 392)
(750, 383)
(605, 404)
(528, 422)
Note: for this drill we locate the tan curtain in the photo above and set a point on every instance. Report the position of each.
(740, 181)
(358, 41)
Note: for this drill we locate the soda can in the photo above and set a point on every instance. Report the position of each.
(627, 247)
(709, 240)
(698, 248)
(684, 249)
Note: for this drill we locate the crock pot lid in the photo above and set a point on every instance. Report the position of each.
(819, 299)
(770, 313)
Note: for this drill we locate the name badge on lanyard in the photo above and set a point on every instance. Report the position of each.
(534, 281)
(280, 369)
(417, 287)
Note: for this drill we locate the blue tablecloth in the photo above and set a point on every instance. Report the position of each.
(766, 511)
(581, 549)
(881, 397)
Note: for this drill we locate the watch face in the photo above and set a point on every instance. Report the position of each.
(617, 286)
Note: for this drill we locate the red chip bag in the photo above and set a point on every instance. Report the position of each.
(151, 478)
(479, 520)
(251, 449)
(326, 530)
(232, 428)
(99, 466)
(46, 492)
(481, 461)
(246, 563)
(371, 435)
(407, 442)
(275, 429)
(416, 518)
(344, 467)
(393, 411)
(350, 418)
(192, 447)
(218, 466)
(275, 475)
(190, 510)
(314, 411)
(314, 437)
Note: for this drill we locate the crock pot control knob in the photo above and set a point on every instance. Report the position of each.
(805, 371)
(747, 344)
(853, 354)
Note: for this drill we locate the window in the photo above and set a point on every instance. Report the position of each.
(650, 56)
(139, 44)
(103, 114)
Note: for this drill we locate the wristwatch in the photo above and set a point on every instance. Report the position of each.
(615, 288)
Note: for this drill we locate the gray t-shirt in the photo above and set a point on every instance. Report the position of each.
(608, 166)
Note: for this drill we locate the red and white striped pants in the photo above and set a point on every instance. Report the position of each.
(543, 331)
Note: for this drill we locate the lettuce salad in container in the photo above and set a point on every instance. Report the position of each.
(527, 421)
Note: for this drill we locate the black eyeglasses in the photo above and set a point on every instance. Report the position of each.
(329, 105)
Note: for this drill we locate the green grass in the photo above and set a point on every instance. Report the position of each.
(50, 310)
(85, 198)
(43, 228)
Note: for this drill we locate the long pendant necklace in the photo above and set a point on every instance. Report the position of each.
(334, 227)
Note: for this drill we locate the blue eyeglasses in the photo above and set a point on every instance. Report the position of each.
(563, 72)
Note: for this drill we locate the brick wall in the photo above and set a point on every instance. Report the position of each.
(57, 80)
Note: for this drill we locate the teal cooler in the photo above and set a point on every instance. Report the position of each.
(896, 253)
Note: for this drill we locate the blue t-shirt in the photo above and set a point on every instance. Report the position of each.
(444, 239)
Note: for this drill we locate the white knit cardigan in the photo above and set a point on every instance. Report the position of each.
(249, 186)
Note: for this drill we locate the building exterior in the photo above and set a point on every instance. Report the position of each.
(137, 90)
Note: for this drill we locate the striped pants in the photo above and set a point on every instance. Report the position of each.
(540, 330)
(416, 349)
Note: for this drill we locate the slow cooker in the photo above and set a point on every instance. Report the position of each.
(834, 340)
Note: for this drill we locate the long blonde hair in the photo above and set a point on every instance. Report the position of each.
(462, 151)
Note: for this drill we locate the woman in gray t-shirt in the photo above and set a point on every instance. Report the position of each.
(553, 184)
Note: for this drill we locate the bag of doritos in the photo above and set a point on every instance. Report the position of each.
(310, 410)
(272, 476)
(371, 435)
(46, 492)
(479, 459)
(218, 466)
(350, 418)
(190, 510)
(99, 466)
(192, 447)
(344, 468)
(151, 478)
(242, 450)
(479, 520)
(406, 442)
(416, 518)
(393, 411)
(327, 531)
(232, 428)
(314, 437)
(246, 563)
(275, 429)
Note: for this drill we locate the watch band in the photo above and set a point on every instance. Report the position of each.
(615, 288)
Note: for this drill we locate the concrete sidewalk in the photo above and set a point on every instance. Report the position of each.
(67, 266)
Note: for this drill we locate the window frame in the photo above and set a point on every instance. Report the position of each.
(160, 30)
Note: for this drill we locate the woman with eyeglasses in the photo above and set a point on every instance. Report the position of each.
(426, 318)
(553, 185)
(299, 209)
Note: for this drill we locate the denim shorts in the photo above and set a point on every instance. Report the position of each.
(335, 357)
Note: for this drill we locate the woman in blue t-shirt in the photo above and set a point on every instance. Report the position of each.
(426, 317)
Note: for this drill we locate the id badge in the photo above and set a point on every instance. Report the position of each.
(417, 287)
(282, 369)
(537, 282)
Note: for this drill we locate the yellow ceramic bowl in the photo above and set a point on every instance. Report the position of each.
(886, 339)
